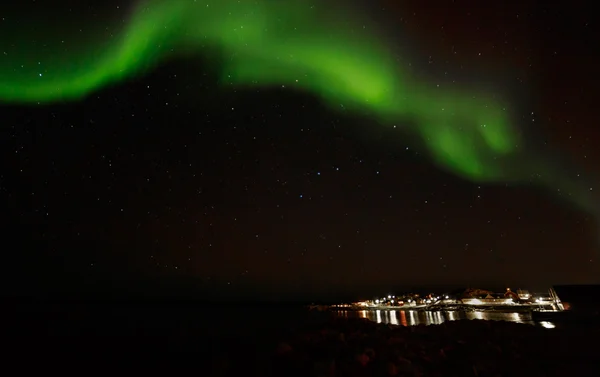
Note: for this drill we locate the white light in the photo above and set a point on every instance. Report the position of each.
(547, 325)
(447, 297)
(389, 296)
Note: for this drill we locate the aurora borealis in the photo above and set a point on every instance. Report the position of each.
(341, 134)
(268, 43)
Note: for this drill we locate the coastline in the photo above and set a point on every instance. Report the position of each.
(268, 343)
(429, 308)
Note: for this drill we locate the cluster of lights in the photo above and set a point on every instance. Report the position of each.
(392, 299)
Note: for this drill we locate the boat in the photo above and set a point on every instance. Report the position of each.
(564, 316)
(551, 315)
(577, 304)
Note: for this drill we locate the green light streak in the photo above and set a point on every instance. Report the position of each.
(317, 49)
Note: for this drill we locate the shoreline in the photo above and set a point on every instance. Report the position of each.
(358, 347)
(311, 347)
(449, 308)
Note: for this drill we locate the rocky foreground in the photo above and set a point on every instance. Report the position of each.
(459, 348)
(336, 348)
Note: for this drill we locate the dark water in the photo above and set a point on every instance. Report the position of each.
(197, 338)
(413, 317)
(183, 319)
(268, 323)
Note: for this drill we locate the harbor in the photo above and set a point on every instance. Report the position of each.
(473, 303)
(408, 318)
(467, 300)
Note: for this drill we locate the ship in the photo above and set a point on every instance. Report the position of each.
(571, 303)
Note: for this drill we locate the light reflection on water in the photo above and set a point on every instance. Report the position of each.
(413, 317)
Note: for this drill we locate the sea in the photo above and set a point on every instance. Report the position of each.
(414, 317)
(102, 334)
(215, 321)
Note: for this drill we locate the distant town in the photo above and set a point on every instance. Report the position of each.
(469, 299)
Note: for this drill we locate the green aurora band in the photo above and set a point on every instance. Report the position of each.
(317, 49)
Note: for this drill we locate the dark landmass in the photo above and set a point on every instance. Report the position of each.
(286, 340)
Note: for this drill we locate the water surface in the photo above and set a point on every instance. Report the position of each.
(414, 317)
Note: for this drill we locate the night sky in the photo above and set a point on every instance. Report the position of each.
(172, 177)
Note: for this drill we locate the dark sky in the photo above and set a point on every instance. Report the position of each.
(159, 180)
